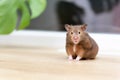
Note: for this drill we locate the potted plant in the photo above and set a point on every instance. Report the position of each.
(29, 9)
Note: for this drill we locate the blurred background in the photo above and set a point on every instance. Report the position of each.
(102, 16)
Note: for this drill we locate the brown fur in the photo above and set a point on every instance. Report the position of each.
(86, 48)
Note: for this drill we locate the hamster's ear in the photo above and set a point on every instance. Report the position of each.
(83, 27)
(67, 27)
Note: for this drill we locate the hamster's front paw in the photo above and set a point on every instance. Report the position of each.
(78, 58)
(70, 57)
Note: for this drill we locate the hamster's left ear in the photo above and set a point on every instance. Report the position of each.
(83, 27)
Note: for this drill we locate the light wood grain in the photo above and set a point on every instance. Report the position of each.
(49, 64)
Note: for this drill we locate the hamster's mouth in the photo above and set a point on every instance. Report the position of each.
(76, 41)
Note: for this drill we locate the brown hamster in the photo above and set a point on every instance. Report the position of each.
(79, 44)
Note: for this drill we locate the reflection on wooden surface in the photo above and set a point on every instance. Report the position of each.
(49, 64)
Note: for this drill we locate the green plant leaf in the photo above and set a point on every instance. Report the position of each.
(37, 7)
(8, 24)
(25, 18)
(8, 17)
(8, 13)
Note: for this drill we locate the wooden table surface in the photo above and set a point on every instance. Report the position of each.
(49, 64)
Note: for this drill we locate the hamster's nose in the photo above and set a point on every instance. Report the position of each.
(75, 37)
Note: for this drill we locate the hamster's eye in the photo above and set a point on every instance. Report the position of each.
(71, 32)
(79, 32)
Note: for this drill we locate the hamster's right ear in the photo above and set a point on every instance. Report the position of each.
(67, 27)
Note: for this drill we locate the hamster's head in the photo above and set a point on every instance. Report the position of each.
(74, 33)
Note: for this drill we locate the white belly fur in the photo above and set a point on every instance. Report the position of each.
(74, 48)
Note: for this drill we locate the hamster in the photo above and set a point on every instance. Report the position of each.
(79, 44)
